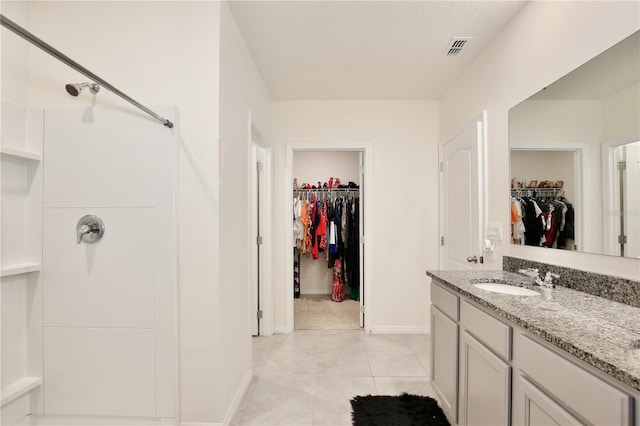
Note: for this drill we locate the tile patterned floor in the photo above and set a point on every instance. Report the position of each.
(309, 377)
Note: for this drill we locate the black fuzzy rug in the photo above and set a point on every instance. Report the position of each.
(403, 410)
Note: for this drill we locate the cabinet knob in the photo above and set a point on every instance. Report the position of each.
(472, 259)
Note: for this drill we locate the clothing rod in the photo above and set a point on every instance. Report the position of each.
(12, 26)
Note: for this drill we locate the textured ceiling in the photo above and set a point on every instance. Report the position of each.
(366, 49)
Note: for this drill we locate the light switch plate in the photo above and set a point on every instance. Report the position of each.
(494, 231)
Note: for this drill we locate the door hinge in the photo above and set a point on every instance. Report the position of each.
(441, 166)
(259, 240)
(259, 315)
(259, 166)
(622, 165)
(622, 239)
(362, 309)
(441, 241)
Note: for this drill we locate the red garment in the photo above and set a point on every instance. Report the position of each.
(321, 233)
(338, 285)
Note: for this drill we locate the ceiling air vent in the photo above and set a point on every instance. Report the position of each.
(456, 45)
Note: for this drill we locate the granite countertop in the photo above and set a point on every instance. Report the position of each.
(602, 333)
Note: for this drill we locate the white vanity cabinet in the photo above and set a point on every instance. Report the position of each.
(469, 361)
(444, 349)
(484, 368)
(488, 372)
(550, 389)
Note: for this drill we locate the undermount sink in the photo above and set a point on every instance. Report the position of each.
(506, 289)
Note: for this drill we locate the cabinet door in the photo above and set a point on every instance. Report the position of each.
(444, 361)
(531, 407)
(484, 385)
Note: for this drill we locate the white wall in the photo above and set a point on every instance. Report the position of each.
(148, 50)
(620, 113)
(504, 75)
(243, 97)
(311, 167)
(404, 197)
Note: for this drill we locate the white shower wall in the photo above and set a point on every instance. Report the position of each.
(109, 307)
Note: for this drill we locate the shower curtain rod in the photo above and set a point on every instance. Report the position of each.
(12, 26)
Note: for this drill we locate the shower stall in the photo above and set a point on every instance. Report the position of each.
(88, 262)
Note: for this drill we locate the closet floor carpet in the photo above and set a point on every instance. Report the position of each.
(319, 312)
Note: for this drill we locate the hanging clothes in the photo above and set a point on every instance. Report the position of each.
(330, 222)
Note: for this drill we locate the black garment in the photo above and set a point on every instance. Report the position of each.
(532, 224)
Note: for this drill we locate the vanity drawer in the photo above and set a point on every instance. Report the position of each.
(493, 333)
(444, 300)
(592, 398)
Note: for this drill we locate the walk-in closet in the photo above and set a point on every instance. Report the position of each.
(326, 226)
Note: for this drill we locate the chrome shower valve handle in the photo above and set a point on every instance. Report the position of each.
(90, 229)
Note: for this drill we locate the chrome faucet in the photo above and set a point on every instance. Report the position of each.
(547, 281)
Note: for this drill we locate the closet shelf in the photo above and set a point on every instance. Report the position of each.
(19, 388)
(19, 268)
(18, 153)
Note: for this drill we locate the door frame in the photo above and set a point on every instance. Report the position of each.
(365, 238)
(481, 122)
(609, 233)
(263, 276)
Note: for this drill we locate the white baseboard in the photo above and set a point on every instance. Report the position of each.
(315, 292)
(237, 398)
(79, 420)
(281, 329)
(391, 329)
(199, 424)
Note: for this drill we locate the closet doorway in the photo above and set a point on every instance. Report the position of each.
(327, 273)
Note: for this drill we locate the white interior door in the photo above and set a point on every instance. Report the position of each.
(361, 233)
(109, 306)
(461, 190)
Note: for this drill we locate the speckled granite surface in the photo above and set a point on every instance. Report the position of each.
(613, 288)
(598, 331)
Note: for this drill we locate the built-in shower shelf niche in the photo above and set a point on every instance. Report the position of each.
(19, 388)
(21, 268)
(19, 154)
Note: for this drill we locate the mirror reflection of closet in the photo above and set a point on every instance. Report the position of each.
(592, 112)
(548, 175)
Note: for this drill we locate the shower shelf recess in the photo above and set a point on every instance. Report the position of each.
(19, 154)
(20, 268)
(19, 388)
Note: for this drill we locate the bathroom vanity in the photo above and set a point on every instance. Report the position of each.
(559, 356)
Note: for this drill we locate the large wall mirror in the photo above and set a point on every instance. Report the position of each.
(575, 158)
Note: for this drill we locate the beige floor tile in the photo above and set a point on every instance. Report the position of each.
(425, 360)
(288, 363)
(398, 385)
(395, 364)
(340, 363)
(310, 376)
(260, 359)
(332, 419)
(333, 393)
(345, 341)
(293, 394)
(387, 343)
(271, 418)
